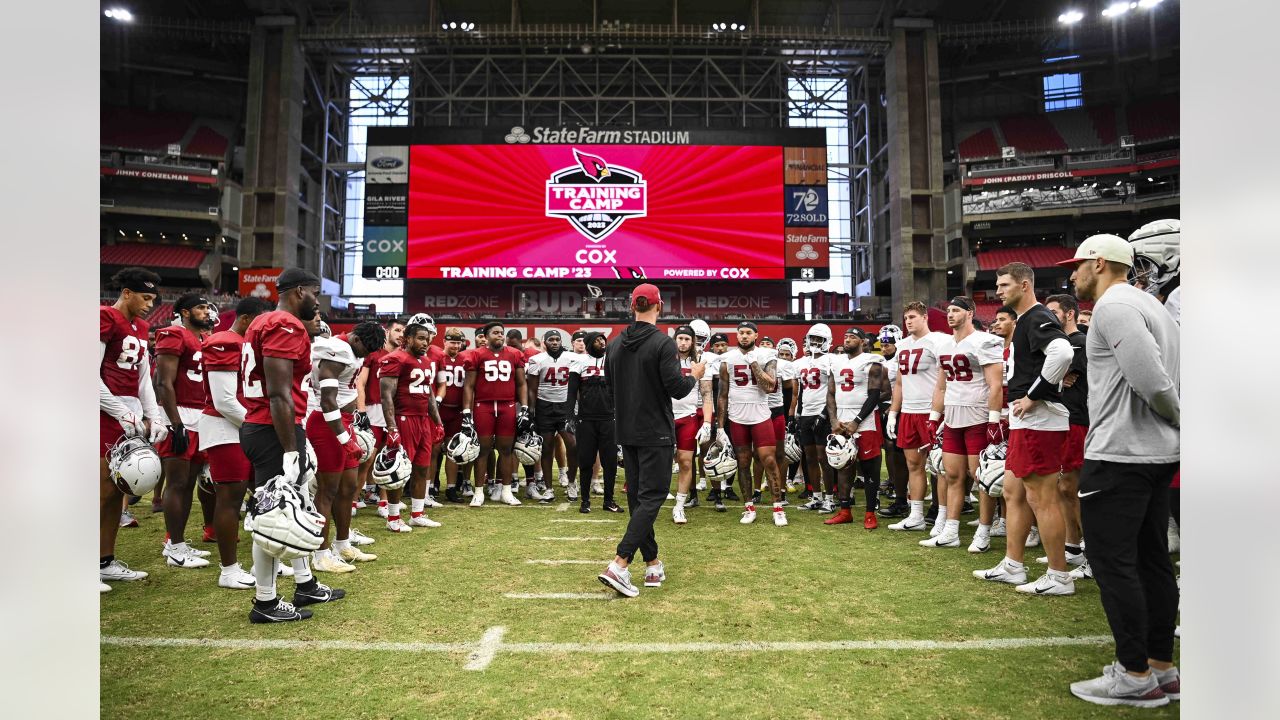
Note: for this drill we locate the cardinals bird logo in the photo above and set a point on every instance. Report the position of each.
(596, 197)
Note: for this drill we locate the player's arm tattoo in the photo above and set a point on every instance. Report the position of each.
(387, 389)
(723, 400)
(766, 376)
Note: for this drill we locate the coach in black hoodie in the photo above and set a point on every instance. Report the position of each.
(642, 367)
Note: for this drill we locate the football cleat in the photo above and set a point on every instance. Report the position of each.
(828, 506)
(1084, 572)
(779, 517)
(423, 521)
(383, 512)
(909, 524)
(507, 497)
(1033, 537)
(843, 517)
(180, 555)
(103, 587)
(235, 578)
(119, 571)
(321, 593)
(1002, 573)
(815, 503)
(358, 538)
(980, 544)
(398, 526)
(326, 561)
(281, 611)
(611, 506)
(869, 520)
(477, 499)
(941, 540)
(748, 516)
(677, 515)
(1048, 585)
(1073, 560)
(352, 553)
(999, 529)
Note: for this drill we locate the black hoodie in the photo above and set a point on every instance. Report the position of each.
(589, 389)
(645, 374)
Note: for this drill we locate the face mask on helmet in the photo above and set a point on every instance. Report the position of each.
(1157, 258)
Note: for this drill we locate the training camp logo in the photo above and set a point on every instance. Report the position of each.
(594, 196)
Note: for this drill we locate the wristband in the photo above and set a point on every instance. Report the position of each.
(332, 415)
(345, 437)
(329, 382)
(439, 399)
(934, 416)
(466, 412)
(993, 416)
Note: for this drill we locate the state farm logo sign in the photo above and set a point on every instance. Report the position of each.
(596, 197)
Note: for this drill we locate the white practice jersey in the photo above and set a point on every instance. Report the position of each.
(553, 375)
(748, 403)
(785, 371)
(918, 370)
(812, 374)
(891, 367)
(586, 366)
(851, 377)
(691, 403)
(962, 362)
(334, 350)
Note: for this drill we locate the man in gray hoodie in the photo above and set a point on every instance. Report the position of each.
(642, 368)
(1130, 455)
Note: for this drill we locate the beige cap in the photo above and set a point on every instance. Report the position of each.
(1107, 247)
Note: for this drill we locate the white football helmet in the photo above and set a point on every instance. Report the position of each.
(840, 451)
(424, 320)
(890, 334)
(818, 340)
(391, 469)
(367, 444)
(619, 456)
(701, 333)
(991, 469)
(463, 447)
(1157, 255)
(791, 448)
(719, 461)
(204, 481)
(933, 463)
(528, 448)
(282, 522)
(134, 466)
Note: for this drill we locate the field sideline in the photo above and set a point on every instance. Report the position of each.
(485, 618)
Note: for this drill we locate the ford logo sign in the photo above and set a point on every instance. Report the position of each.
(387, 163)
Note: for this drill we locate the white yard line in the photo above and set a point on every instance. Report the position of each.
(562, 507)
(573, 539)
(566, 562)
(559, 596)
(602, 522)
(485, 650)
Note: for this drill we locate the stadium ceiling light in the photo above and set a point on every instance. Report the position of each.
(1071, 17)
(1148, 4)
(119, 14)
(453, 26)
(1117, 9)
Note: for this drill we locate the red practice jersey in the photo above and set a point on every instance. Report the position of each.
(188, 384)
(495, 372)
(126, 347)
(276, 334)
(453, 373)
(414, 381)
(220, 352)
(372, 395)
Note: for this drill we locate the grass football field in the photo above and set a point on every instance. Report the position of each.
(806, 621)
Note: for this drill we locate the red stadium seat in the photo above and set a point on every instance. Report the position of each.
(1031, 134)
(152, 256)
(981, 144)
(1036, 257)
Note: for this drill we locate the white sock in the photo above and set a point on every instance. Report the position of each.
(417, 504)
(1013, 564)
(226, 569)
(301, 571)
(952, 528)
(917, 508)
(264, 574)
(180, 547)
(681, 498)
(341, 545)
(983, 531)
(942, 514)
(1059, 575)
(777, 506)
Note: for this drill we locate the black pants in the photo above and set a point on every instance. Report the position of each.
(595, 437)
(1125, 512)
(262, 447)
(648, 480)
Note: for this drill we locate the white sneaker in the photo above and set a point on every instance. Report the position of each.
(360, 505)
(423, 521)
(1072, 560)
(1117, 687)
(748, 517)
(572, 492)
(564, 479)
(980, 544)
(383, 512)
(509, 498)
(467, 490)
(531, 492)
(119, 571)
(702, 484)
(971, 499)
(352, 553)
(597, 488)
(431, 502)
(677, 515)
(1084, 572)
(1048, 585)
(495, 492)
(326, 561)
(286, 570)
(779, 517)
(235, 578)
(936, 530)
(180, 555)
(973, 523)
(814, 503)
(1033, 537)
(546, 492)
(828, 506)
(398, 526)
(654, 575)
(910, 523)
(998, 529)
(103, 587)
(1002, 573)
(477, 499)
(941, 540)
(1175, 537)
(358, 538)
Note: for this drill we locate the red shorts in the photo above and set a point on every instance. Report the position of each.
(913, 433)
(165, 448)
(964, 441)
(1035, 452)
(761, 434)
(495, 418)
(109, 433)
(686, 430)
(779, 428)
(1073, 450)
(228, 464)
(416, 433)
(871, 442)
(331, 456)
(451, 417)
(379, 436)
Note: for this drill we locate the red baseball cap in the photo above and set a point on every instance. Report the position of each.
(648, 291)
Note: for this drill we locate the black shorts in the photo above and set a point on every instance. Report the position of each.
(812, 430)
(550, 417)
(262, 447)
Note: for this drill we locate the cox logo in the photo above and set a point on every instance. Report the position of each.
(387, 163)
(517, 135)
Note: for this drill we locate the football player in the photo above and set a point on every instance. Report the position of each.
(590, 393)
(812, 427)
(857, 381)
(126, 401)
(895, 460)
(179, 388)
(532, 473)
(219, 436)
(406, 380)
(747, 375)
(1038, 424)
(787, 351)
(435, 359)
(1075, 396)
(450, 378)
(988, 524)
(721, 490)
(693, 414)
(335, 363)
(495, 384)
(548, 377)
(969, 396)
(276, 359)
(369, 402)
(781, 410)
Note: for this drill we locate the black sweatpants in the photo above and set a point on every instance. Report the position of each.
(596, 437)
(1124, 508)
(262, 447)
(648, 471)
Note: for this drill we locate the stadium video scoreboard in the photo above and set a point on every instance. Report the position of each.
(533, 203)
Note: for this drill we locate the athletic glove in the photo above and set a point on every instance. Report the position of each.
(159, 431)
(995, 430)
(891, 427)
(524, 423)
(437, 433)
(132, 424)
(361, 420)
(178, 440)
(350, 445)
(393, 438)
(931, 425)
(292, 467)
(792, 424)
(468, 421)
(704, 434)
(571, 426)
